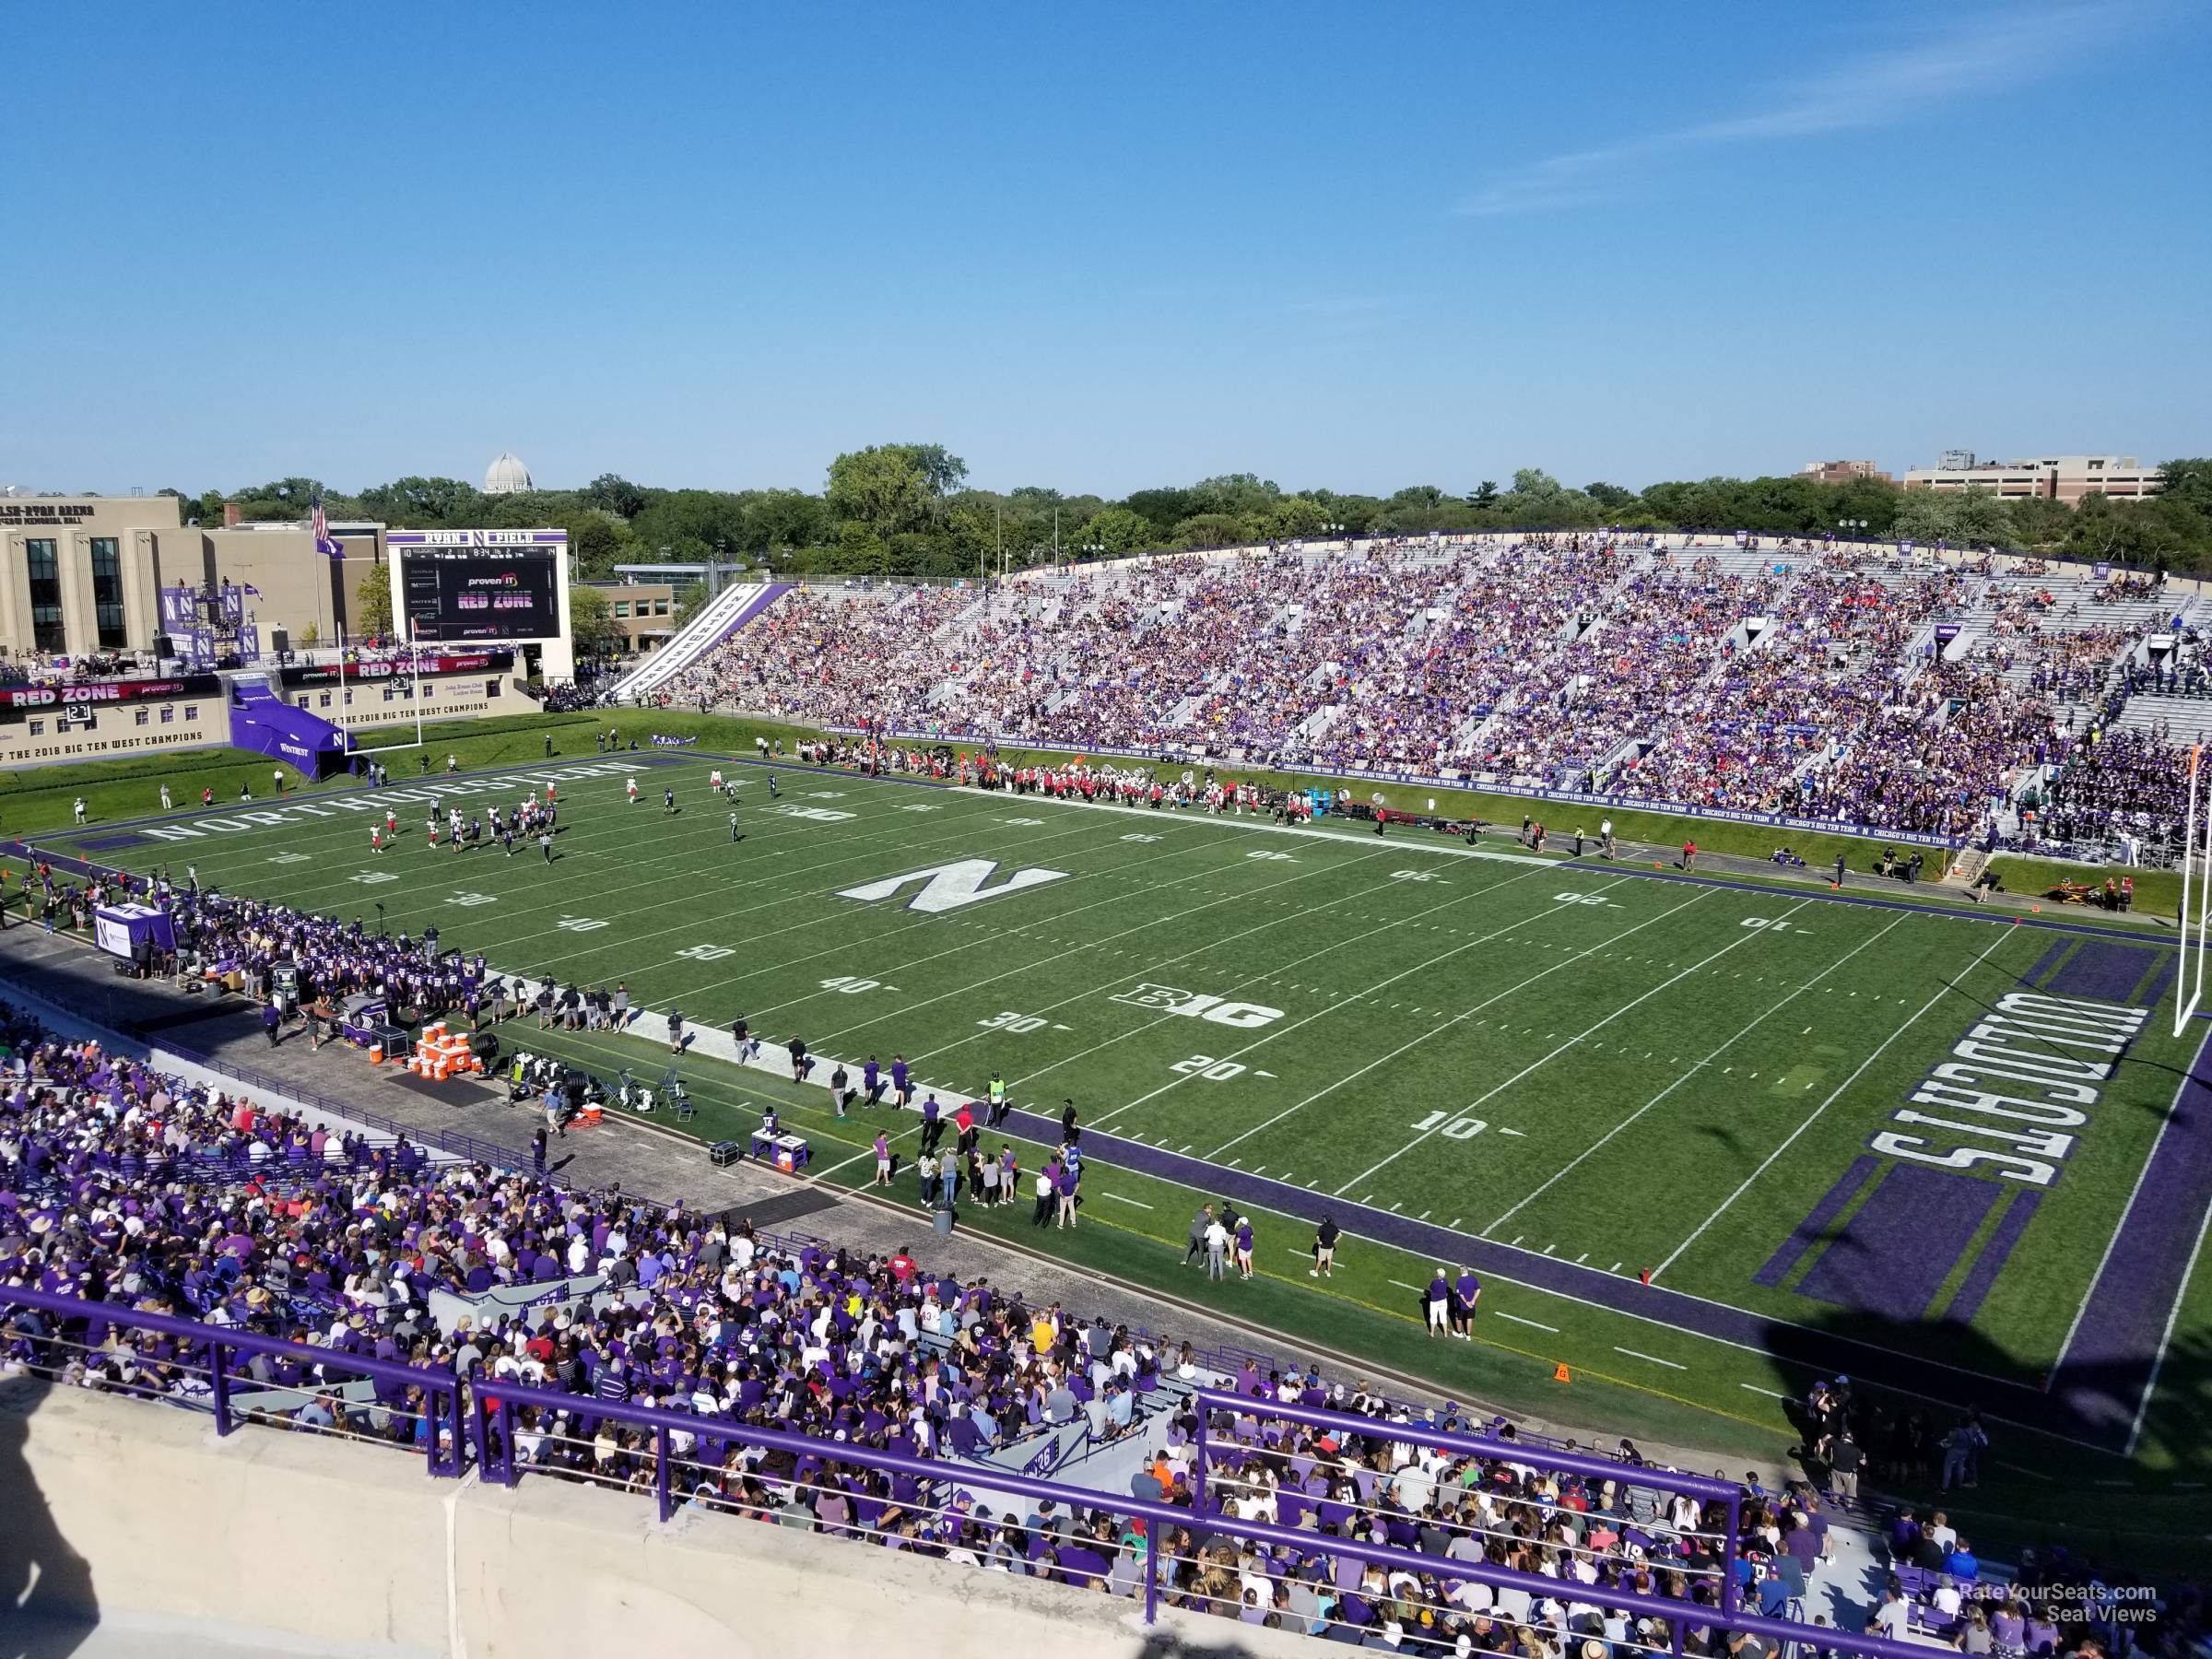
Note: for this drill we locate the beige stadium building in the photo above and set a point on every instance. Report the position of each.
(126, 629)
(82, 575)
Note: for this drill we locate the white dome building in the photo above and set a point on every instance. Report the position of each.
(507, 476)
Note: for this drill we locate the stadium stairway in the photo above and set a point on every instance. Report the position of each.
(724, 614)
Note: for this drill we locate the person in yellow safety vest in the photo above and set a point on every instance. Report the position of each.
(996, 1089)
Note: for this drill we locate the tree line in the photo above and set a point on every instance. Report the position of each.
(906, 510)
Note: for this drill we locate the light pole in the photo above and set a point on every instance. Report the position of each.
(1848, 526)
(1332, 531)
(1092, 549)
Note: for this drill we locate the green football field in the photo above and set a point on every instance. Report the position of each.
(1670, 1121)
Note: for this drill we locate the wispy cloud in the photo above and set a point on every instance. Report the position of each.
(1998, 51)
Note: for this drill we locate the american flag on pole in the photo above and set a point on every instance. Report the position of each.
(325, 544)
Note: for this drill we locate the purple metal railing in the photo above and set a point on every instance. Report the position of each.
(491, 1403)
(438, 1390)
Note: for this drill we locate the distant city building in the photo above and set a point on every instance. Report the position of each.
(2051, 477)
(1841, 472)
(507, 476)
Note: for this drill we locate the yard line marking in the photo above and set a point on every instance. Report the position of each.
(1214, 944)
(1536, 1065)
(1455, 1224)
(1534, 1324)
(1768, 1163)
(1654, 1359)
(1186, 1149)
(1425, 1036)
(2022, 1469)
(1614, 1268)
(1518, 1237)
(1570, 1167)
(1521, 1134)
(1581, 1259)
(1138, 1202)
(1549, 1248)
(1401, 1284)
(1755, 1388)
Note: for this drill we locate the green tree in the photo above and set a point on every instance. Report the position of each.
(592, 630)
(1296, 516)
(1163, 509)
(1485, 493)
(1119, 530)
(371, 609)
(883, 487)
(860, 552)
(611, 492)
(596, 543)
(422, 503)
(1611, 496)
(1965, 518)
(2189, 482)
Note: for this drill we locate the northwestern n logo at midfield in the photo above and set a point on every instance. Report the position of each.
(950, 886)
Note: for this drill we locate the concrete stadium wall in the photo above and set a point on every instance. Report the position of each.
(132, 1513)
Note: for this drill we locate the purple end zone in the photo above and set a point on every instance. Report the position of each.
(1975, 1286)
(2104, 1370)
(1806, 1233)
(1902, 1243)
(112, 843)
(2103, 972)
(2034, 975)
(2161, 982)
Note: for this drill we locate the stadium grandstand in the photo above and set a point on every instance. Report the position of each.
(1986, 700)
(203, 1244)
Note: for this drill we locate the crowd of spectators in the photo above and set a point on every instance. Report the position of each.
(1797, 680)
(121, 1185)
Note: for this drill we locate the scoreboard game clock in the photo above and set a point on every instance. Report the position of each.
(483, 587)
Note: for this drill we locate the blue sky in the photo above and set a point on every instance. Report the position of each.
(1099, 247)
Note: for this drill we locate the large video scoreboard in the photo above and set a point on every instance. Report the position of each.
(479, 587)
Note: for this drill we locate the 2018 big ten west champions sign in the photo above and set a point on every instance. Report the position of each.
(479, 587)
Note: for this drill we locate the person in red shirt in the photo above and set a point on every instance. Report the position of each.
(902, 1265)
(1689, 854)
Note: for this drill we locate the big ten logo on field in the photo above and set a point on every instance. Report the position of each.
(1167, 999)
(820, 815)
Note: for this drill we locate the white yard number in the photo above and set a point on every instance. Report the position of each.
(579, 923)
(1272, 857)
(918, 807)
(849, 985)
(1011, 1022)
(1777, 925)
(706, 953)
(825, 794)
(1413, 875)
(1577, 898)
(1206, 1067)
(1141, 837)
(472, 898)
(1459, 1128)
(371, 878)
(290, 858)
(1024, 823)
